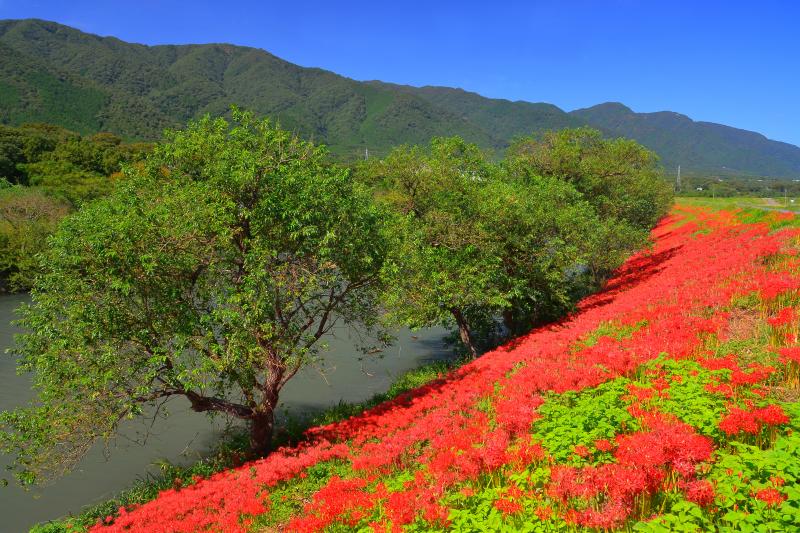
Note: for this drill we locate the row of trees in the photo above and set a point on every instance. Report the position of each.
(218, 265)
(46, 172)
(520, 239)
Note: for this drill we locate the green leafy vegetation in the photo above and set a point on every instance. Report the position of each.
(45, 173)
(521, 239)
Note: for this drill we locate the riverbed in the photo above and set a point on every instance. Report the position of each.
(184, 435)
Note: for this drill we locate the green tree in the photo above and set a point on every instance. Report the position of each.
(443, 265)
(544, 233)
(213, 273)
(27, 217)
(11, 155)
(68, 181)
(619, 177)
(483, 241)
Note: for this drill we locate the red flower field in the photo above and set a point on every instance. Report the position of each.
(667, 401)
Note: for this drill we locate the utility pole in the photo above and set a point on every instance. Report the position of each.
(678, 181)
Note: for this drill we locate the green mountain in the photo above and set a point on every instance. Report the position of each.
(502, 119)
(136, 90)
(701, 147)
(54, 73)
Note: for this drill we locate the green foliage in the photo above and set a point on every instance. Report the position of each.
(478, 512)
(619, 177)
(55, 170)
(480, 240)
(211, 272)
(572, 419)
(612, 329)
(63, 179)
(689, 400)
(27, 218)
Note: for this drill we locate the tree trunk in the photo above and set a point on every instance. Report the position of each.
(261, 417)
(262, 426)
(508, 321)
(262, 423)
(463, 330)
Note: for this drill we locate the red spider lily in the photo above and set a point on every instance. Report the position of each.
(771, 415)
(790, 354)
(666, 443)
(743, 421)
(728, 362)
(603, 445)
(772, 497)
(611, 515)
(739, 421)
(723, 389)
(777, 481)
(581, 450)
(700, 492)
(544, 513)
(757, 374)
(508, 507)
(785, 316)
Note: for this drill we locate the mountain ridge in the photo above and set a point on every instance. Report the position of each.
(52, 72)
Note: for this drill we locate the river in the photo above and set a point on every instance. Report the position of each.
(186, 435)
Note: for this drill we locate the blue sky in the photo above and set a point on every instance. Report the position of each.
(733, 62)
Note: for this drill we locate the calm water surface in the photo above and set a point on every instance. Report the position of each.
(186, 435)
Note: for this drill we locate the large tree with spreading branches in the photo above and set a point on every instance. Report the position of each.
(212, 273)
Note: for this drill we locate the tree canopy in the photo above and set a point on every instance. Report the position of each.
(444, 269)
(521, 238)
(212, 273)
(619, 177)
(53, 171)
(27, 218)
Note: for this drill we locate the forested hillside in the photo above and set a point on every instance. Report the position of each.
(54, 73)
(703, 147)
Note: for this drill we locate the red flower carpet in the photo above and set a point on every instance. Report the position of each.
(667, 400)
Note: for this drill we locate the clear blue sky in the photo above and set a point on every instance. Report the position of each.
(733, 62)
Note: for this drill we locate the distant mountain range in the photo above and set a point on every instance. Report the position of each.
(53, 73)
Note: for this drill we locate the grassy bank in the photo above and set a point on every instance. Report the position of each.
(743, 202)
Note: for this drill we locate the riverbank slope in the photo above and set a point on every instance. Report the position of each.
(670, 398)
